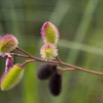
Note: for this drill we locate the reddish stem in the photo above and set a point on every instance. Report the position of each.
(60, 62)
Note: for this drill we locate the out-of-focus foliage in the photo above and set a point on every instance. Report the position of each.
(81, 43)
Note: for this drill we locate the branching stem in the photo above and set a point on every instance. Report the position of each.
(58, 61)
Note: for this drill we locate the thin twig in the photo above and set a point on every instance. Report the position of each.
(22, 50)
(26, 62)
(25, 52)
(66, 69)
(20, 55)
(82, 69)
(58, 59)
(56, 62)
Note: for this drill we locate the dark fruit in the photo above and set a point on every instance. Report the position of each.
(55, 84)
(46, 70)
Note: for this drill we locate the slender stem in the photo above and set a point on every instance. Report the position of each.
(58, 59)
(65, 69)
(22, 50)
(27, 61)
(72, 67)
(60, 62)
(20, 55)
(25, 52)
(82, 69)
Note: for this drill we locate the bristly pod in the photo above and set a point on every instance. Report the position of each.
(11, 78)
(48, 51)
(49, 33)
(55, 84)
(46, 71)
(8, 43)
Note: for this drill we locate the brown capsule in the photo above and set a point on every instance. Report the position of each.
(46, 70)
(55, 84)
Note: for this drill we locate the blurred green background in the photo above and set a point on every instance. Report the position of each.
(81, 43)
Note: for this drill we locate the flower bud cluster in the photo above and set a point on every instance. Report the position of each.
(49, 51)
(50, 36)
(13, 72)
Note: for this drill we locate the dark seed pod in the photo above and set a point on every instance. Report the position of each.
(55, 84)
(46, 70)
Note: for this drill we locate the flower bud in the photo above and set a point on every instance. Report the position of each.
(55, 84)
(11, 78)
(48, 51)
(49, 33)
(46, 70)
(8, 43)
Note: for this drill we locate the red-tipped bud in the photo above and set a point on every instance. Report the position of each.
(49, 33)
(48, 51)
(55, 84)
(8, 43)
(46, 71)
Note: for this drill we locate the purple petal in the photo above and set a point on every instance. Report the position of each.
(9, 64)
(2, 55)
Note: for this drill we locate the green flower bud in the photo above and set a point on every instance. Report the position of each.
(49, 33)
(11, 78)
(8, 43)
